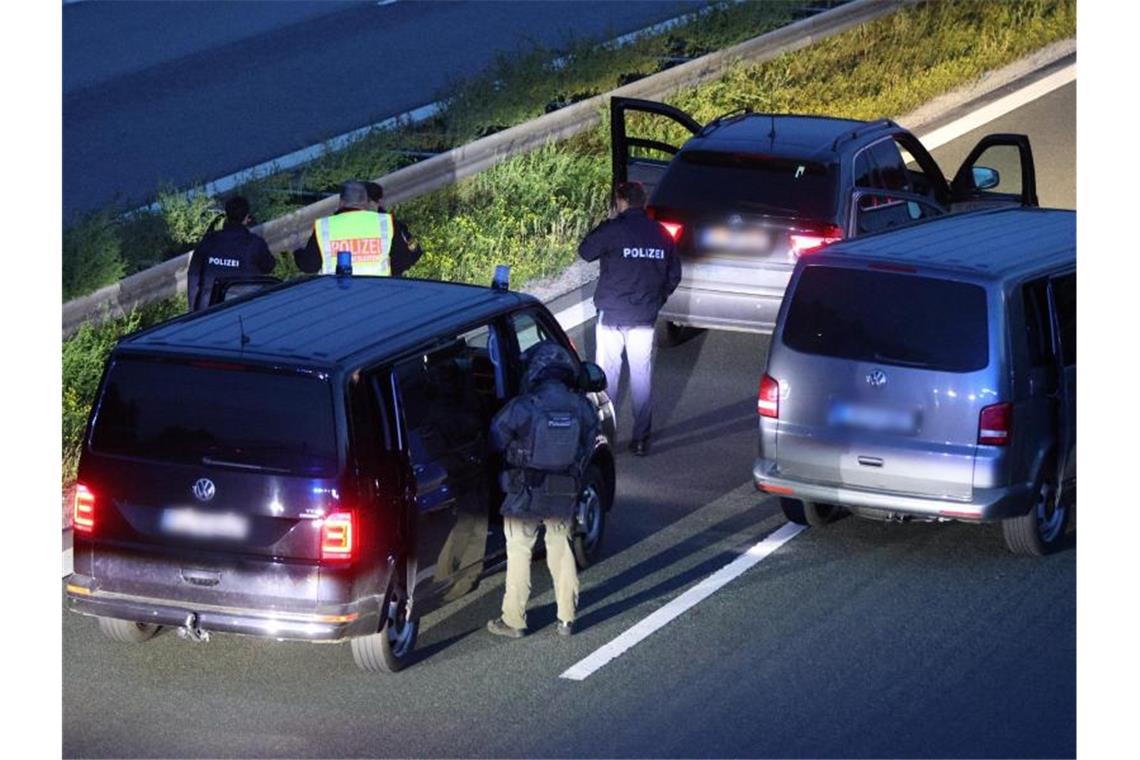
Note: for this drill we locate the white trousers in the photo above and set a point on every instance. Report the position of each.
(637, 345)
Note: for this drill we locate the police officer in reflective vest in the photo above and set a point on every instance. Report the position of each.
(640, 268)
(546, 435)
(368, 235)
(232, 252)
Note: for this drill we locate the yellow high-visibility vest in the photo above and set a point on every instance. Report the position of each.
(367, 234)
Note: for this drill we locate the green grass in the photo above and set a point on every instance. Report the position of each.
(532, 210)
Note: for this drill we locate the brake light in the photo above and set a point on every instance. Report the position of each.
(809, 242)
(83, 513)
(674, 229)
(768, 400)
(995, 424)
(338, 536)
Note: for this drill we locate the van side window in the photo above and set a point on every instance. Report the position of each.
(1034, 296)
(1065, 298)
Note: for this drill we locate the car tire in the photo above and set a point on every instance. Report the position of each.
(1041, 530)
(128, 631)
(590, 518)
(818, 514)
(390, 650)
(793, 509)
(667, 334)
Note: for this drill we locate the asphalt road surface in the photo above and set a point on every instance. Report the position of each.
(857, 640)
(184, 92)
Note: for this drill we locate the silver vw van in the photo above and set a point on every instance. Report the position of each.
(930, 373)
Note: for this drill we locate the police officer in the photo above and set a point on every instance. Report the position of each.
(368, 235)
(230, 252)
(376, 197)
(546, 435)
(640, 269)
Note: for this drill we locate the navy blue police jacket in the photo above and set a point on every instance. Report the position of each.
(640, 268)
(232, 251)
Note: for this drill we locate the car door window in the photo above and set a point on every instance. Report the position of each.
(1006, 161)
(864, 170)
(890, 168)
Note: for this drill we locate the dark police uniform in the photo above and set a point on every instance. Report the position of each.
(640, 268)
(231, 252)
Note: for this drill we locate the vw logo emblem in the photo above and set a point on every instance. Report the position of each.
(203, 489)
(735, 220)
(877, 378)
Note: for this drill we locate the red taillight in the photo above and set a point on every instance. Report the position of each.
(808, 242)
(995, 425)
(768, 400)
(338, 536)
(83, 514)
(674, 229)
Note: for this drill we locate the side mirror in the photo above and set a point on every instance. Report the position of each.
(985, 178)
(593, 380)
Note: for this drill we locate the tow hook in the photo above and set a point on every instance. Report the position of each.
(190, 631)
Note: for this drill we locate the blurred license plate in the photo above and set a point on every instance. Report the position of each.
(733, 239)
(192, 522)
(875, 418)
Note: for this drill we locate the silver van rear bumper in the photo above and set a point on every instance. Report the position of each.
(333, 623)
(985, 504)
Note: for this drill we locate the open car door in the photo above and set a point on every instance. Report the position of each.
(644, 159)
(998, 171)
(227, 289)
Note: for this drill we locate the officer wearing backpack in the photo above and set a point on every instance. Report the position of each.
(546, 435)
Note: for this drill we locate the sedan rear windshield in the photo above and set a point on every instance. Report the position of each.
(722, 181)
(889, 318)
(206, 413)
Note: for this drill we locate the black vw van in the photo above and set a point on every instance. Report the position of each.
(310, 462)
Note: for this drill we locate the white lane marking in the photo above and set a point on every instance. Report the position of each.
(68, 562)
(999, 107)
(578, 314)
(706, 588)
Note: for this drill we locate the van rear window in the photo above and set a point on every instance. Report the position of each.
(889, 318)
(209, 414)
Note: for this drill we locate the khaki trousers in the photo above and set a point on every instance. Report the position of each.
(521, 535)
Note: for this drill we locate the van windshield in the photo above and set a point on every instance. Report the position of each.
(210, 413)
(888, 318)
(724, 182)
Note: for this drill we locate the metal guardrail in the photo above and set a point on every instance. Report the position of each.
(292, 230)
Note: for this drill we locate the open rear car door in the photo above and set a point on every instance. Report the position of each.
(999, 171)
(644, 159)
